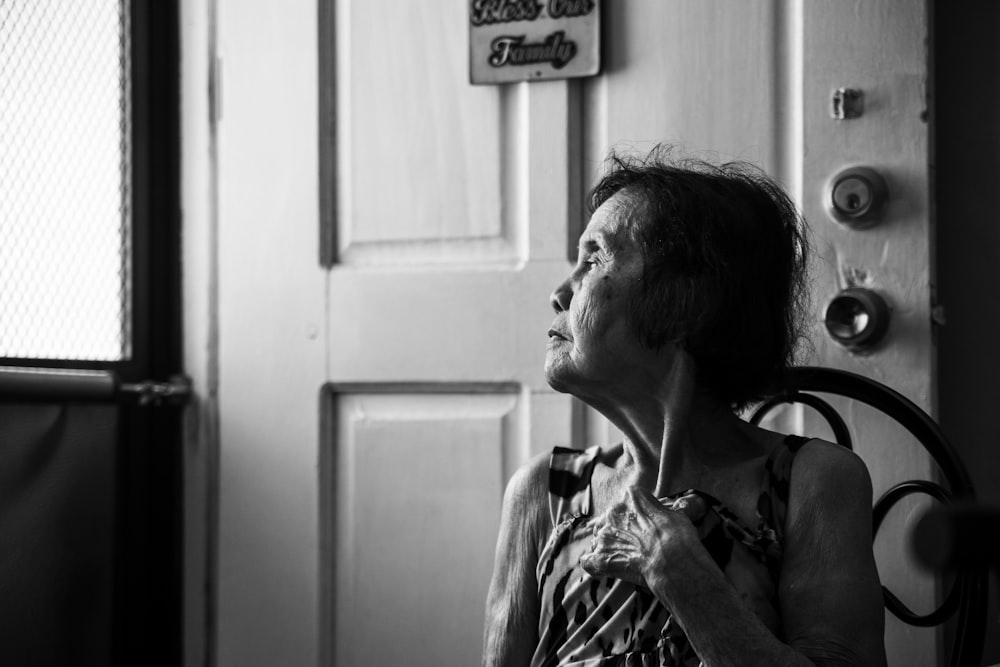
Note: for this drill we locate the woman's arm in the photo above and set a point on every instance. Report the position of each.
(512, 606)
(829, 594)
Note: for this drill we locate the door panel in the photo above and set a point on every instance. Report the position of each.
(414, 537)
(412, 127)
(705, 76)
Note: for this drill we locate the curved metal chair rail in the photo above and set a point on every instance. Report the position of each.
(968, 595)
(840, 431)
(893, 603)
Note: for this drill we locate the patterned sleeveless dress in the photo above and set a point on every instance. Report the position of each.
(601, 622)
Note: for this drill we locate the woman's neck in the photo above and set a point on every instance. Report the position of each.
(662, 451)
(675, 429)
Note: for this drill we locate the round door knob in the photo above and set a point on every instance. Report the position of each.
(856, 196)
(857, 318)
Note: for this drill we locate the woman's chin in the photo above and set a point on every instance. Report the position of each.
(557, 375)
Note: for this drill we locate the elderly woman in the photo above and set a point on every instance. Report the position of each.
(700, 539)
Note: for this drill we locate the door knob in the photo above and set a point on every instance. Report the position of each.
(857, 318)
(856, 196)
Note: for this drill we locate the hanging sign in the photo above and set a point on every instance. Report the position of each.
(528, 40)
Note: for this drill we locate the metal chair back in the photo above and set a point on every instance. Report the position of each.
(968, 594)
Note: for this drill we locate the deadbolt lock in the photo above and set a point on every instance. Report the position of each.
(856, 196)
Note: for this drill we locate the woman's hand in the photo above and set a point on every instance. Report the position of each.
(636, 538)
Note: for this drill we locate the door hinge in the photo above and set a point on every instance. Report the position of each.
(175, 391)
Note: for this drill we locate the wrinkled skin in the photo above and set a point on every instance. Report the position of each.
(637, 535)
(591, 343)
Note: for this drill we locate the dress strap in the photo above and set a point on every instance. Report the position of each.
(772, 506)
(570, 471)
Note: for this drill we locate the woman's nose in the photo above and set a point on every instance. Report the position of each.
(561, 297)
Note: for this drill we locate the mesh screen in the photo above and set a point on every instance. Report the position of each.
(64, 180)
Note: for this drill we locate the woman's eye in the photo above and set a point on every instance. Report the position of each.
(588, 261)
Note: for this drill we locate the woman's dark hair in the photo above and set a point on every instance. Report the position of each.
(725, 256)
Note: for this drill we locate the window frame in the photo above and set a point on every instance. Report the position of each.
(154, 307)
(148, 585)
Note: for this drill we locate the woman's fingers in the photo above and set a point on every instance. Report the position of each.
(621, 516)
(693, 506)
(645, 504)
(635, 531)
(609, 537)
(613, 553)
(624, 515)
(596, 564)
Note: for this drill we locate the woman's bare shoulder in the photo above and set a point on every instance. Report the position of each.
(525, 501)
(529, 483)
(827, 463)
(526, 498)
(829, 479)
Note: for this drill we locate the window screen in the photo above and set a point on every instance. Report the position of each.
(65, 222)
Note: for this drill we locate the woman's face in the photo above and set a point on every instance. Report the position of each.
(592, 346)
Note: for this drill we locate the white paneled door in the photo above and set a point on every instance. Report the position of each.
(452, 231)
(373, 405)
